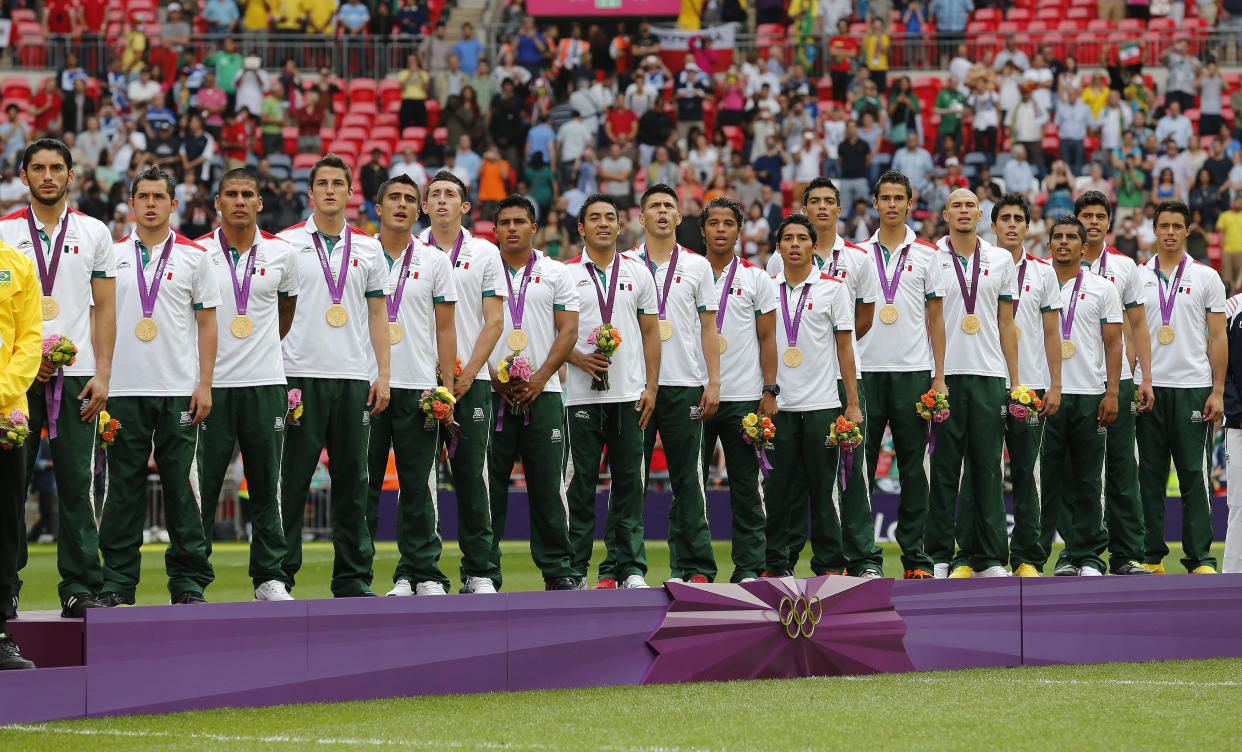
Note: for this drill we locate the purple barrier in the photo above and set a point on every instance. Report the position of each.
(47, 639)
(961, 623)
(48, 694)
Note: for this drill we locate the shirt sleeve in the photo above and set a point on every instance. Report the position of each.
(22, 367)
(1132, 294)
(866, 282)
(842, 308)
(491, 277)
(774, 264)
(104, 264)
(444, 284)
(765, 294)
(1110, 307)
(705, 292)
(564, 296)
(1214, 294)
(291, 281)
(377, 274)
(205, 292)
(933, 283)
(1052, 295)
(646, 293)
(1009, 289)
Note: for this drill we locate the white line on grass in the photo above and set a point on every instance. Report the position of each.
(1011, 680)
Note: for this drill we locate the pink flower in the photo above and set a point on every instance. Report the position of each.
(1019, 411)
(520, 368)
(940, 417)
(49, 344)
(295, 398)
(593, 337)
(18, 418)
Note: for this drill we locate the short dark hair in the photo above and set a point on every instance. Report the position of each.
(47, 144)
(511, 201)
(1173, 207)
(653, 190)
(332, 160)
(1093, 198)
(720, 202)
(596, 198)
(1012, 199)
(445, 176)
(154, 172)
(797, 219)
(894, 177)
(1069, 219)
(405, 180)
(820, 182)
(237, 173)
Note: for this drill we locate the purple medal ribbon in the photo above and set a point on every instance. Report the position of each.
(847, 466)
(1067, 315)
(337, 290)
(765, 467)
(605, 307)
(889, 288)
(1021, 277)
(791, 329)
(147, 296)
(394, 301)
(241, 293)
(517, 307)
(47, 279)
(1166, 305)
(662, 297)
(836, 259)
(724, 296)
(461, 236)
(968, 297)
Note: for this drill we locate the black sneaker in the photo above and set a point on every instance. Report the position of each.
(560, 583)
(74, 607)
(11, 657)
(188, 597)
(1131, 567)
(10, 608)
(112, 600)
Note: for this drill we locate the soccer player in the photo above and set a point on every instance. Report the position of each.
(1185, 303)
(257, 276)
(541, 324)
(420, 299)
(818, 318)
(852, 265)
(1122, 503)
(902, 357)
(686, 309)
(745, 322)
(479, 317)
(981, 357)
(1072, 455)
(610, 400)
(1231, 559)
(160, 392)
(21, 352)
(73, 253)
(342, 272)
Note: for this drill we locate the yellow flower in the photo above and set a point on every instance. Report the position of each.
(1025, 398)
(503, 375)
(750, 420)
(1014, 394)
(297, 413)
(752, 432)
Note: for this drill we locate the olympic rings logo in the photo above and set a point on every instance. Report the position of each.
(800, 615)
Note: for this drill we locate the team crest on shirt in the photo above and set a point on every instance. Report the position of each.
(584, 283)
(6, 278)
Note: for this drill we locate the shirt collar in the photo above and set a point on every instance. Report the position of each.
(39, 223)
(910, 238)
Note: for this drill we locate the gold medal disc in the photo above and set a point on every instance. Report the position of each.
(51, 309)
(1067, 349)
(242, 326)
(888, 314)
(146, 329)
(971, 324)
(395, 333)
(666, 329)
(792, 357)
(518, 340)
(337, 315)
(1164, 335)
(724, 343)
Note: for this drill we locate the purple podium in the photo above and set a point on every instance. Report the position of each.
(156, 659)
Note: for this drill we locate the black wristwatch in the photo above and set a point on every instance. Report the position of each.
(775, 389)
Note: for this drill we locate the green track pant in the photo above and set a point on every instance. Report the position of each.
(970, 443)
(592, 428)
(335, 416)
(891, 398)
(1175, 428)
(1071, 470)
(541, 446)
(1123, 505)
(254, 418)
(745, 491)
(676, 419)
(801, 450)
(73, 462)
(162, 423)
(405, 427)
(468, 469)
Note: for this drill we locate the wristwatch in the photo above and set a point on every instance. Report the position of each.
(775, 389)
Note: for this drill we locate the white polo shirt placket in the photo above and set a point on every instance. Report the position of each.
(752, 293)
(548, 291)
(690, 292)
(476, 272)
(428, 280)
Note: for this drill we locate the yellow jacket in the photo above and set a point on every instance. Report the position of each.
(21, 328)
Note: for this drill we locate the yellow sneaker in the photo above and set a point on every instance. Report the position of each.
(1203, 570)
(1154, 568)
(1026, 570)
(961, 572)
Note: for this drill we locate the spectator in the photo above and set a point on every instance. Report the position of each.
(1177, 163)
(211, 102)
(435, 50)
(1063, 74)
(663, 170)
(227, 63)
(913, 161)
(175, 33)
(234, 139)
(272, 119)
(221, 16)
(510, 70)
(484, 86)
(875, 48)
(573, 55)
(950, 18)
(134, 50)
(144, 90)
(76, 108)
(531, 47)
(1211, 95)
(407, 164)
(1165, 188)
(1205, 198)
(1183, 73)
(616, 171)
(903, 111)
(1039, 77)
(541, 180)
(1073, 117)
(309, 118)
(842, 52)
(255, 16)
(704, 159)
(251, 86)
(414, 85)
(855, 161)
(985, 102)
(197, 150)
(771, 164)
(166, 148)
(1217, 164)
(915, 23)
(949, 105)
(467, 159)
(1026, 127)
(807, 157)
(937, 193)
(796, 120)
(1112, 122)
(755, 231)
(13, 192)
(1174, 125)
(93, 143)
(1096, 182)
(450, 81)
(285, 210)
(1011, 54)
(1018, 174)
(46, 108)
(550, 237)
(494, 175)
(412, 17)
(692, 87)
(469, 51)
(1230, 226)
(381, 25)
(621, 125)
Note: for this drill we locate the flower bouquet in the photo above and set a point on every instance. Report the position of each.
(932, 407)
(457, 371)
(515, 368)
(60, 352)
(606, 339)
(14, 428)
(294, 416)
(108, 426)
(847, 437)
(759, 432)
(437, 404)
(1024, 402)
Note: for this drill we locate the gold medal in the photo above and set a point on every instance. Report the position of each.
(51, 309)
(337, 315)
(666, 329)
(888, 314)
(724, 343)
(1067, 349)
(1164, 335)
(971, 324)
(242, 326)
(395, 333)
(518, 340)
(792, 357)
(146, 329)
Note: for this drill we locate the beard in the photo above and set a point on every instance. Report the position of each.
(60, 194)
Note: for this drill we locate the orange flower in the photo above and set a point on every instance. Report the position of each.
(929, 399)
(440, 409)
(1038, 403)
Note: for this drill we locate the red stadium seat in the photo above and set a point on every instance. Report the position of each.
(1018, 15)
(366, 108)
(1049, 14)
(486, 230)
(24, 15)
(433, 113)
(384, 146)
(1099, 24)
(15, 86)
(290, 136)
(992, 15)
(356, 120)
(414, 132)
(387, 120)
(735, 136)
(352, 134)
(362, 90)
(384, 133)
(1079, 14)
(304, 161)
(440, 135)
(414, 143)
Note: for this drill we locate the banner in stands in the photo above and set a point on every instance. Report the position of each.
(603, 7)
(716, 38)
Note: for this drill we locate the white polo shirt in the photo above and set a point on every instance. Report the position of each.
(428, 280)
(1098, 304)
(752, 293)
(166, 366)
(635, 295)
(548, 291)
(1037, 294)
(86, 254)
(903, 345)
(477, 274)
(813, 384)
(313, 348)
(1121, 270)
(691, 292)
(978, 354)
(255, 360)
(1183, 363)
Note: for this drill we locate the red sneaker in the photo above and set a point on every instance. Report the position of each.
(606, 583)
(918, 574)
(698, 579)
(765, 576)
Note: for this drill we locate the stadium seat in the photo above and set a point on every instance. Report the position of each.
(290, 136)
(24, 15)
(414, 132)
(440, 135)
(992, 15)
(384, 146)
(387, 120)
(1079, 14)
(15, 87)
(361, 90)
(1018, 15)
(486, 230)
(352, 134)
(356, 120)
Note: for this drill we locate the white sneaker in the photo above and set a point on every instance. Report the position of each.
(480, 585)
(993, 572)
(745, 580)
(428, 588)
(634, 582)
(678, 580)
(272, 590)
(402, 588)
(870, 574)
(1090, 572)
(940, 571)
